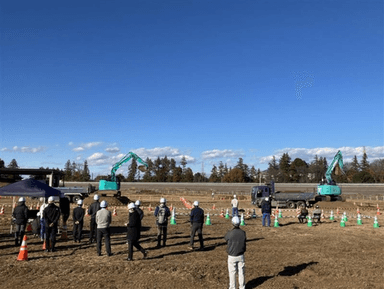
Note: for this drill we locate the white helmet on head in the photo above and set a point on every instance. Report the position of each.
(234, 196)
(267, 199)
(96, 197)
(80, 202)
(131, 206)
(236, 221)
(138, 203)
(51, 199)
(196, 203)
(163, 201)
(103, 204)
(22, 199)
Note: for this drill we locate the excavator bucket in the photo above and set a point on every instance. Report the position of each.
(142, 168)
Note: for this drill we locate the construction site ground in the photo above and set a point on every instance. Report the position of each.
(292, 255)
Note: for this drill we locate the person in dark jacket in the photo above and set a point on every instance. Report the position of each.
(78, 221)
(140, 211)
(51, 216)
(133, 232)
(236, 247)
(20, 214)
(93, 208)
(266, 210)
(197, 221)
(303, 214)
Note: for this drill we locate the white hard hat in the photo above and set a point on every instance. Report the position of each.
(41, 199)
(22, 199)
(235, 221)
(196, 203)
(163, 200)
(267, 199)
(51, 199)
(138, 203)
(103, 204)
(96, 197)
(234, 196)
(80, 202)
(131, 206)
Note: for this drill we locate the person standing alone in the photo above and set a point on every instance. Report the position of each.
(197, 221)
(266, 210)
(236, 246)
(235, 206)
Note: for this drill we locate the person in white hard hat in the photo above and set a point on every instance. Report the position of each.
(266, 210)
(197, 221)
(235, 206)
(78, 221)
(236, 247)
(51, 216)
(140, 211)
(20, 215)
(133, 232)
(103, 220)
(44, 204)
(162, 214)
(93, 208)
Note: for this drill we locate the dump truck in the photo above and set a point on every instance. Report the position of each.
(290, 199)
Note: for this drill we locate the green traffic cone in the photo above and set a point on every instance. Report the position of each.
(254, 213)
(208, 221)
(376, 223)
(227, 214)
(276, 225)
(332, 217)
(280, 214)
(173, 218)
(342, 223)
(242, 223)
(309, 221)
(345, 217)
(359, 221)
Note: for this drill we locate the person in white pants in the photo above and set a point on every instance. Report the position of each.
(236, 246)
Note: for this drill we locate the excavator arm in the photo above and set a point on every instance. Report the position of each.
(125, 159)
(338, 159)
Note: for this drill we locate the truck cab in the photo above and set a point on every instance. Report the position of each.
(259, 193)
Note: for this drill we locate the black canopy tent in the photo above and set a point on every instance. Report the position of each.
(29, 188)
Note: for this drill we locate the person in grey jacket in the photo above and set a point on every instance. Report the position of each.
(103, 221)
(236, 246)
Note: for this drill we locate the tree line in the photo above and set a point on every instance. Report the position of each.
(282, 171)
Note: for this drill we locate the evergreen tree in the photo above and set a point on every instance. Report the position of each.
(2, 164)
(86, 175)
(132, 170)
(253, 174)
(177, 175)
(172, 170)
(273, 169)
(188, 176)
(214, 177)
(235, 175)
(285, 167)
(364, 165)
(299, 170)
(148, 173)
(355, 164)
(13, 164)
(183, 163)
(221, 171)
(68, 171)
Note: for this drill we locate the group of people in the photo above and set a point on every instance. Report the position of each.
(101, 218)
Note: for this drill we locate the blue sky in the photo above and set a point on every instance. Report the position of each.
(210, 80)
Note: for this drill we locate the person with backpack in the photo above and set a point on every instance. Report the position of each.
(266, 210)
(162, 214)
(133, 231)
(197, 221)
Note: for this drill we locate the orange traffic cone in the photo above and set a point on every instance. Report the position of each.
(337, 211)
(213, 207)
(87, 213)
(23, 254)
(114, 212)
(171, 208)
(150, 208)
(378, 211)
(2, 210)
(358, 210)
(44, 245)
(222, 213)
(38, 206)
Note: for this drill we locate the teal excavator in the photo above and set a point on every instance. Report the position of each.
(113, 182)
(328, 190)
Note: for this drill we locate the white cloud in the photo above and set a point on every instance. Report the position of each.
(309, 154)
(215, 154)
(112, 150)
(70, 143)
(100, 159)
(86, 146)
(25, 149)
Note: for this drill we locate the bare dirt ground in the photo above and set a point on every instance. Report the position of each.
(290, 256)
